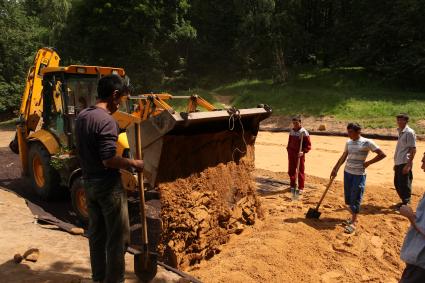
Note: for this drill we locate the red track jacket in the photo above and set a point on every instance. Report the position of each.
(294, 141)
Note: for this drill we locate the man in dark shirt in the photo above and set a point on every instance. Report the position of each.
(97, 134)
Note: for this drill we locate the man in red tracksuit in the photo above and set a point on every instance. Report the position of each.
(294, 151)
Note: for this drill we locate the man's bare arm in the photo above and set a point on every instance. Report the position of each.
(341, 160)
(119, 162)
(409, 165)
(379, 156)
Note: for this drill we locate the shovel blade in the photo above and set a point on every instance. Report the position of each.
(145, 266)
(295, 194)
(313, 213)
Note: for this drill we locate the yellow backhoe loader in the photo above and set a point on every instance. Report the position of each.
(175, 145)
(44, 137)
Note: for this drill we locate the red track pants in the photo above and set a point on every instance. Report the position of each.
(292, 167)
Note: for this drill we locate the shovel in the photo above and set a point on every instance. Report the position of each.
(296, 192)
(145, 263)
(314, 212)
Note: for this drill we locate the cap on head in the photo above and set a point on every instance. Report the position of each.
(110, 83)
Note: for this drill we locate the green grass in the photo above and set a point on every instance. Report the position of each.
(348, 94)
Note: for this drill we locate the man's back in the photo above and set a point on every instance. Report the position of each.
(97, 134)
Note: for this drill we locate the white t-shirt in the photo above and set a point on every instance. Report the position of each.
(406, 140)
(357, 153)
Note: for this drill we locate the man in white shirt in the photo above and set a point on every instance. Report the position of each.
(413, 250)
(356, 150)
(403, 159)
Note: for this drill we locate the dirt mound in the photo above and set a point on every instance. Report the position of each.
(287, 247)
(201, 209)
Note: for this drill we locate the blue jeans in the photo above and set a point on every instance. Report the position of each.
(354, 187)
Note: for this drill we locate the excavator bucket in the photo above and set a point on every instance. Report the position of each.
(201, 165)
(176, 145)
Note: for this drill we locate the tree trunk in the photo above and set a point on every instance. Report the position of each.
(282, 71)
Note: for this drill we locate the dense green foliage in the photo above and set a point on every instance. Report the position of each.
(181, 44)
(18, 41)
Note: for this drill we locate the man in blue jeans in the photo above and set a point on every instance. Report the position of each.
(97, 135)
(356, 151)
(413, 250)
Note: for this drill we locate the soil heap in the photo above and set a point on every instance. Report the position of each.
(207, 194)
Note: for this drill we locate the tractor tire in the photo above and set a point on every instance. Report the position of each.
(78, 199)
(44, 178)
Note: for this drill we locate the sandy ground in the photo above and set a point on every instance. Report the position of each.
(6, 137)
(284, 246)
(63, 257)
(287, 247)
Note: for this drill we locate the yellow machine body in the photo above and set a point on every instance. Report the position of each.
(32, 126)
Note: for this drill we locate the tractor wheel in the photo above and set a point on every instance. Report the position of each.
(79, 204)
(45, 179)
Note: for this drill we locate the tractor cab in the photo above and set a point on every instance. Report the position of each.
(67, 91)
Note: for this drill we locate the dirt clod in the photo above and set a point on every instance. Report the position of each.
(17, 258)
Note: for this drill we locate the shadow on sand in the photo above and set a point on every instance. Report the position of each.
(269, 186)
(325, 223)
(57, 272)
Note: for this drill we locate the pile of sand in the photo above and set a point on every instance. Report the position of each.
(205, 194)
(200, 212)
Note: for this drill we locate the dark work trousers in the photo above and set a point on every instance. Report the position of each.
(413, 274)
(403, 183)
(108, 228)
(292, 168)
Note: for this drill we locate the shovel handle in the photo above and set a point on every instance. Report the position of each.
(325, 192)
(298, 160)
(141, 187)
